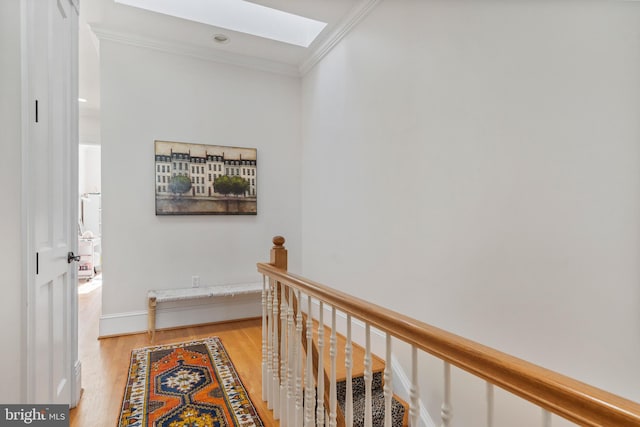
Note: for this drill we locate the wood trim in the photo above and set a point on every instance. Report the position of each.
(571, 399)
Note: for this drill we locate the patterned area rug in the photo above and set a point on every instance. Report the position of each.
(186, 384)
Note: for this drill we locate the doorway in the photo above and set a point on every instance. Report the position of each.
(90, 201)
(89, 213)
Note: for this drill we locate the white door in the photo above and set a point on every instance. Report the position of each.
(50, 192)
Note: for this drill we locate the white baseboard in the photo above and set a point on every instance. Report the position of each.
(184, 313)
(122, 323)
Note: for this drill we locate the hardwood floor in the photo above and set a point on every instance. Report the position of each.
(105, 362)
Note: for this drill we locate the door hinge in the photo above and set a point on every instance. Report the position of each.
(37, 263)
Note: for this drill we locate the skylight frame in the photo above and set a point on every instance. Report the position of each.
(239, 15)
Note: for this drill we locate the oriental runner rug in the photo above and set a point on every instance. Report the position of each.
(186, 384)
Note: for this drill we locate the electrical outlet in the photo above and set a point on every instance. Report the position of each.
(195, 281)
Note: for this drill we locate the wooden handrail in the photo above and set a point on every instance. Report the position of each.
(576, 401)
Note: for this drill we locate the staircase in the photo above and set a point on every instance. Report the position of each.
(338, 383)
(308, 383)
(399, 409)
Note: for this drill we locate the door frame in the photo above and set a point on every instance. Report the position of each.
(29, 246)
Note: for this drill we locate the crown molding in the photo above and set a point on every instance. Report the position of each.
(357, 14)
(208, 54)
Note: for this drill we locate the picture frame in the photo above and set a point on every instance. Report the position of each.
(201, 179)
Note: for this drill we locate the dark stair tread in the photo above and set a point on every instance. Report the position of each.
(377, 402)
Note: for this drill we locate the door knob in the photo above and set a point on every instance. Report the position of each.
(72, 257)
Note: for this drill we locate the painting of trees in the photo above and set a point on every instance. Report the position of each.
(204, 179)
(180, 184)
(226, 185)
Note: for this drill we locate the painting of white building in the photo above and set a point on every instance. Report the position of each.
(199, 179)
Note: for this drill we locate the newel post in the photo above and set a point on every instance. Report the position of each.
(279, 253)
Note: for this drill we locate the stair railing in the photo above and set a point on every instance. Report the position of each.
(287, 371)
(284, 354)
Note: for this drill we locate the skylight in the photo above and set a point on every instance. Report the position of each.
(239, 15)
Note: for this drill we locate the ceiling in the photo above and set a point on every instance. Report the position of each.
(109, 20)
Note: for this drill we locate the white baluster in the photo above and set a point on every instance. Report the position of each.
(264, 338)
(333, 343)
(348, 404)
(269, 379)
(546, 418)
(275, 384)
(445, 412)
(291, 359)
(414, 408)
(388, 389)
(320, 395)
(283, 357)
(368, 378)
(490, 404)
(298, 374)
(310, 391)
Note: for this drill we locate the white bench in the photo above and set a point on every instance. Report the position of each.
(166, 295)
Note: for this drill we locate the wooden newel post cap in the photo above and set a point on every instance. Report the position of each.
(279, 253)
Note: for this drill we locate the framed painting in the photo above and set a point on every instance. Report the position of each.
(199, 179)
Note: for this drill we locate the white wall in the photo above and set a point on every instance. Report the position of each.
(89, 169)
(475, 164)
(89, 126)
(149, 95)
(11, 224)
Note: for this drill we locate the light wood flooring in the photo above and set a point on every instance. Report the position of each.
(105, 362)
